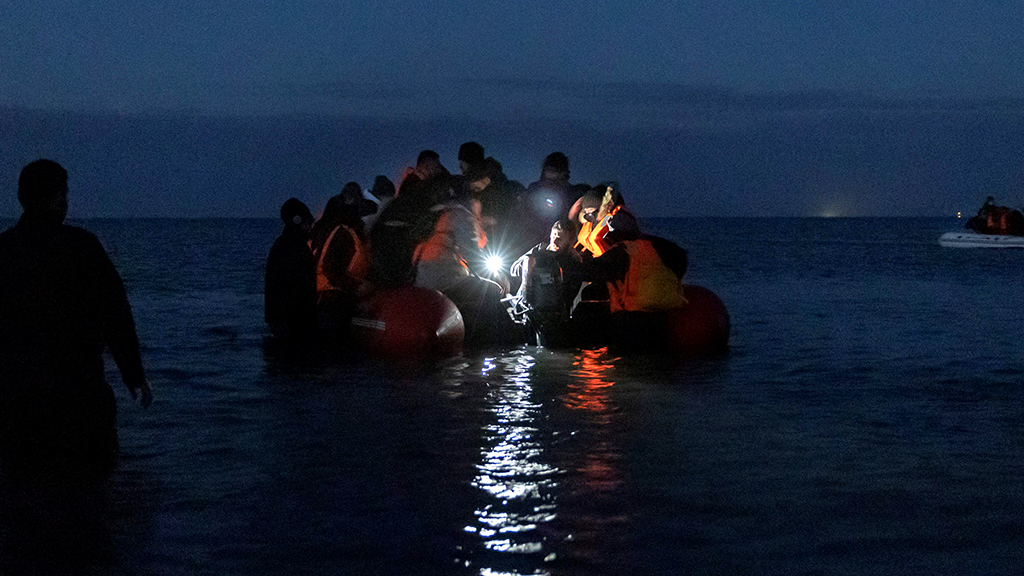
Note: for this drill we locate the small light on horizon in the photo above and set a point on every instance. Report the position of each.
(958, 215)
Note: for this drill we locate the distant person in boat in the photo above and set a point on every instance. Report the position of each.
(62, 303)
(338, 239)
(443, 259)
(471, 159)
(428, 168)
(644, 279)
(547, 285)
(561, 237)
(289, 296)
(998, 220)
(428, 165)
(593, 211)
(406, 222)
(348, 207)
(495, 191)
(554, 176)
(584, 210)
(560, 240)
(498, 196)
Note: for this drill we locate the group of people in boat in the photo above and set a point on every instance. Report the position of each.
(1000, 220)
(585, 268)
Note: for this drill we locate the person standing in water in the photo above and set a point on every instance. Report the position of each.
(62, 303)
(289, 295)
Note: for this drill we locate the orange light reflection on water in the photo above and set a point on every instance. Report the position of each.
(589, 388)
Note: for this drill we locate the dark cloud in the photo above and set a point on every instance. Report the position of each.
(458, 57)
(843, 161)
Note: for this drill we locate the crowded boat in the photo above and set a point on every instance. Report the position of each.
(475, 260)
(992, 227)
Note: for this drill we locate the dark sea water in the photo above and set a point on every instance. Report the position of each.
(869, 419)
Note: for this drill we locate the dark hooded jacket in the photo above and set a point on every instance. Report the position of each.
(290, 285)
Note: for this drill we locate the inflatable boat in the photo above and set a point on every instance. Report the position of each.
(416, 323)
(969, 239)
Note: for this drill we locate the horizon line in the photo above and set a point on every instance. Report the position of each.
(693, 96)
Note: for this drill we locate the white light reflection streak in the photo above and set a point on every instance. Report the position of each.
(512, 471)
(488, 366)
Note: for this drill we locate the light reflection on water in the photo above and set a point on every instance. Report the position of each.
(589, 390)
(549, 472)
(591, 383)
(513, 470)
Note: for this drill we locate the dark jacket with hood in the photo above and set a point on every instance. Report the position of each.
(290, 285)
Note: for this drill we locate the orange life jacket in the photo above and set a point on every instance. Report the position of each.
(591, 236)
(358, 266)
(583, 235)
(442, 242)
(649, 285)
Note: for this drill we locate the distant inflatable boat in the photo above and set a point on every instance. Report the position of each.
(968, 239)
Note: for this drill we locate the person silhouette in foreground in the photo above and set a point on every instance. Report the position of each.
(62, 303)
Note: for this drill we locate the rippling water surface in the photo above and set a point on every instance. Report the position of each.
(868, 419)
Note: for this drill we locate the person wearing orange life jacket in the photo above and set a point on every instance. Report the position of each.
(445, 261)
(342, 258)
(593, 210)
(442, 259)
(644, 279)
(1000, 220)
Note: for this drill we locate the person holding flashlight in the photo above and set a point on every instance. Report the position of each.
(452, 261)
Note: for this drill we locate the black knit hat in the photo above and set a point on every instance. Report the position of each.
(592, 198)
(557, 161)
(471, 153)
(293, 211)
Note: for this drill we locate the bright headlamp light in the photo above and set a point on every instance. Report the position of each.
(494, 264)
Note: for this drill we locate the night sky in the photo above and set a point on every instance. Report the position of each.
(798, 99)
